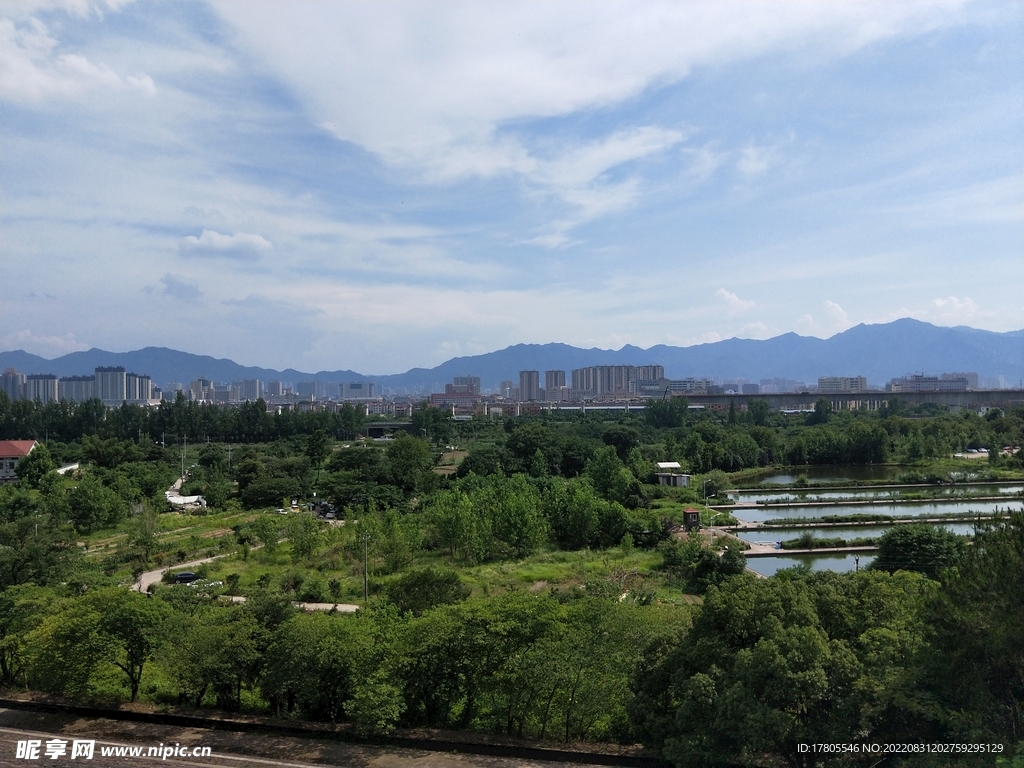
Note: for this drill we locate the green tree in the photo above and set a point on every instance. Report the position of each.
(919, 547)
(305, 536)
(266, 531)
(822, 412)
(22, 609)
(36, 549)
(317, 448)
(759, 412)
(420, 590)
(34, 465)
(67, 649)
(573, 513)
(456, 528)
(409, 459)
(975, 668)
(622, 438)
(313, 663)
(92, 505)
(134, 626)
(270, 492)
(666, 413)
(757, 675)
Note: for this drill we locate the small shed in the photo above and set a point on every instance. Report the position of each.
(668, 474)
(691, 518)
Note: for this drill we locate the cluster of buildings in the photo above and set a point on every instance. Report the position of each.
(595, 384)
(113, 385)
(944, 382)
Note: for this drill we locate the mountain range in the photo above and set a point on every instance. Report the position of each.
(878, 352)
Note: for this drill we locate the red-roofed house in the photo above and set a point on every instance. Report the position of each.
(11, 452)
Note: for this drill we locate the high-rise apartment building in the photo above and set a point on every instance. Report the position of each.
(314, 389)
(529, 386)
(13, 384)
(76, 389)
(553, 380)
(463, 385)
(604, 380)
(138, 388)
(41, 387)
(649, 372)
(364, 390)
(250, 389)
(201, 389)
(111, 384)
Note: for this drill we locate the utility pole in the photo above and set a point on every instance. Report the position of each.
(366, 583)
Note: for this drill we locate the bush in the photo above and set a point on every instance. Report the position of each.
(269, 492)
(421, 590)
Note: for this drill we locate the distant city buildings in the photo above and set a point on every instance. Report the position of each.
(599, 380)
(945, 382)
(593, 386)
(779, 386)
(837, 385)
(463, 385)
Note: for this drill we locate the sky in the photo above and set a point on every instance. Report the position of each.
(377, 186)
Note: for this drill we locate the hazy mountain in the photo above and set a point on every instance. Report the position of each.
(878, 352)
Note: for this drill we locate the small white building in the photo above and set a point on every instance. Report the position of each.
(11, 452)
(669, 474)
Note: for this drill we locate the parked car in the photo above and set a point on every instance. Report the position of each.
(185, 577)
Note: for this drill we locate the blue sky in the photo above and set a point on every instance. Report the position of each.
(377, 186)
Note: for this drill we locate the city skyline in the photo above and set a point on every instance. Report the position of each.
(379, 187)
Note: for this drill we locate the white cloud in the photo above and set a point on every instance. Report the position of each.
(837, 315)
(42, 344)
(951, 310)
(241, 245)
(438, 87)
(756, 330)
(755, 161)
(32, 69)
(178, 287)
(734, 304)
(704, 163)
(999, 200)
(835, 321)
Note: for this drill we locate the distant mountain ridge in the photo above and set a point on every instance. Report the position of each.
(879, 352)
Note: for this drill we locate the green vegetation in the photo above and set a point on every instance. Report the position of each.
(810, 541)
(542, 589)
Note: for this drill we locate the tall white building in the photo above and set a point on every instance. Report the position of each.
(250, 389)
(76, 389)
(13, 384)
(138, 388)
(41, 387)
(553, 380)
(529, 386)
(605, 380)
(111, 384)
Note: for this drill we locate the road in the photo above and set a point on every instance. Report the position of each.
(231, 749)
(154, 577)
